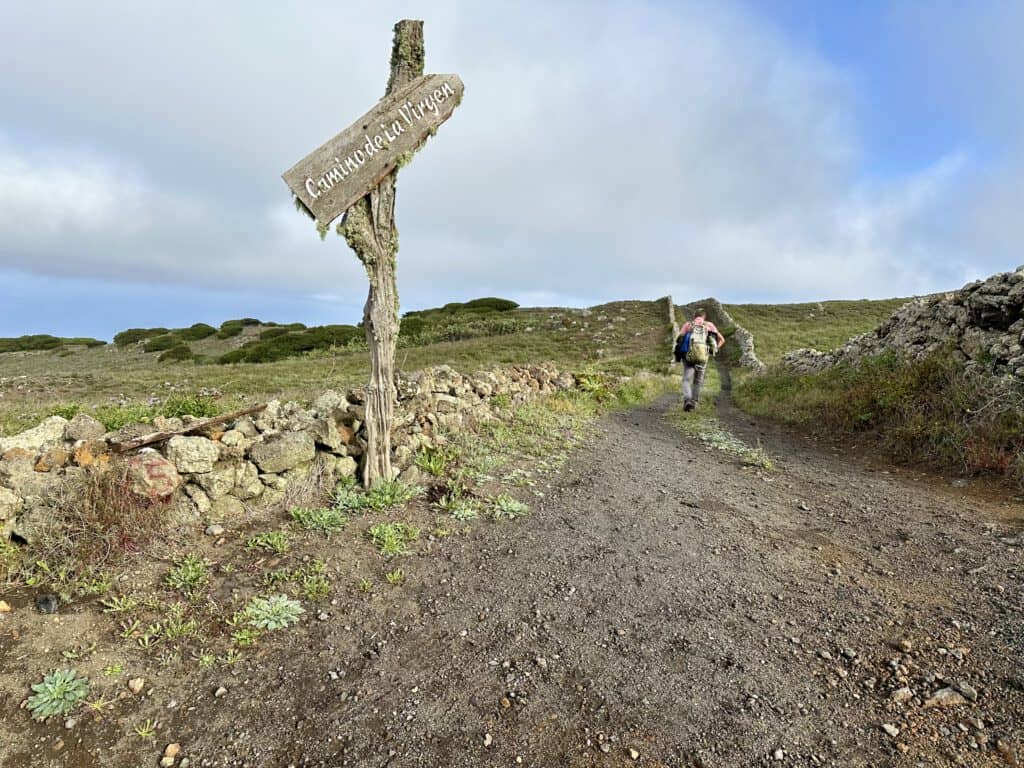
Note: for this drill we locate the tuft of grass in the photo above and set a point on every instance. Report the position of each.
(58, 694)
(392, 539)
(94, 524)
(506, 507)
(326, 520)
(189, 575)
(395, 577)
(146, 729)
(274, 612)
(277, 542)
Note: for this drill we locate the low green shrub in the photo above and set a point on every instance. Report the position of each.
(43, 342)
(161, 343)
(135, 335)
(292, 344)
(176, 353)
(196, 332)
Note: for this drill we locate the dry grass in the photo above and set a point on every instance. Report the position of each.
(94, 525)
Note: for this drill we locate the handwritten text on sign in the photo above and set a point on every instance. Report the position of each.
(334, 176)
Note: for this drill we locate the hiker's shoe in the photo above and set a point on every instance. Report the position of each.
(689, 405)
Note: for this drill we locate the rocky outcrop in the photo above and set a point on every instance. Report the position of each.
(216, 473)
(981, 325)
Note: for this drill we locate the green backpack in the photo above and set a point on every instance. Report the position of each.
(698, 352)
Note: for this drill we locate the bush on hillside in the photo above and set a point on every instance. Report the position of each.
(161, 343)
(273, 333)
(135, 335)
(484, 305)
(492, 303)
(177, 352)
(230, 329)
(43, 341)
(196, 332)
(293, 344)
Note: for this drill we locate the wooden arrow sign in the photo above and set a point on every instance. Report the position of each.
(334, 176)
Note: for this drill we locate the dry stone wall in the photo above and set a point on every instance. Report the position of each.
(255, 460)
(981, 325)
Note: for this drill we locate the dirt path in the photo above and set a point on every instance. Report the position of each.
(663, 606)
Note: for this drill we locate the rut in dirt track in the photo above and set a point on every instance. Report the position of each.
(665, 599)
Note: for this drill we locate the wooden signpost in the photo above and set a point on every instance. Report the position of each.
(354, 175)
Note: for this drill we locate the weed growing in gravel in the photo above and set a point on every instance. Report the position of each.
(147, 729)
(274, 612)
(382, 497)
(326, 520)
(58, 694)
(175, 626)
(230, 658)
(246, 637)
(348, 497)
(393, 539)
(316, 587)
(365, 585)
(505, 507)
(709, 431)
(395, 577)
(113, 670)
(460, 507)
(205, 659)
(273, 541)
(10, 559)
(189, 575)
(119, 604)
(390, 494)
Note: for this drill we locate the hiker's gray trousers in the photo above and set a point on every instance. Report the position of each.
(693, 380)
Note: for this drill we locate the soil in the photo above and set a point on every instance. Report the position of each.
(663, 605)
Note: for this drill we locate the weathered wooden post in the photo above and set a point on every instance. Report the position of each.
(354, 174)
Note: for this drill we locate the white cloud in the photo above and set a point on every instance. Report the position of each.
(601, 152)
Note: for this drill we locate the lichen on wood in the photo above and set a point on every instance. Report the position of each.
(369, 229)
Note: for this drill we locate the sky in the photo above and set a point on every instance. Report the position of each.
(778, 150)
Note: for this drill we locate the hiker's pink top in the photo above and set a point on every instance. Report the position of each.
(688, 326)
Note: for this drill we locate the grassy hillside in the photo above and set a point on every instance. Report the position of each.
(781, 328)
(616, 337)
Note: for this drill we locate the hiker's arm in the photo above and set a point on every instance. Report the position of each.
(721, 338)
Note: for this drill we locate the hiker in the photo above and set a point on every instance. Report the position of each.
(698, 341)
